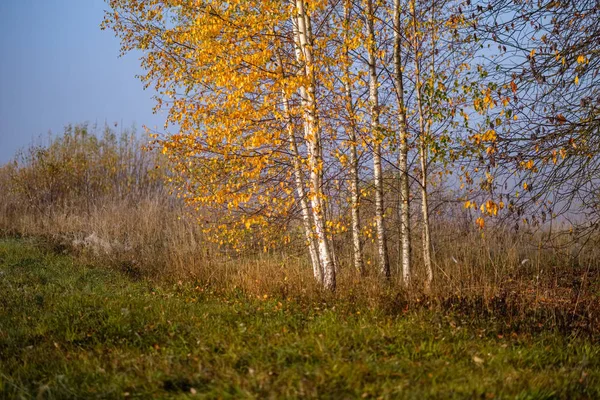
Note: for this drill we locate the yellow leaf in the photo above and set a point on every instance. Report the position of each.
(492, 208)
(529, 164)
(490, 135)
(563, 153)
(480, 222)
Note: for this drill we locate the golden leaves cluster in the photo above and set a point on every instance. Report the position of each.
(212, 64)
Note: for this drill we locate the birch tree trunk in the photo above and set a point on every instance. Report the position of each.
(354, 194)
(299, 180)
(423, 155)
(306, 218)
(313, 142)
(404, 206)
(384, 263)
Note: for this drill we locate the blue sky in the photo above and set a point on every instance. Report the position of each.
(57, 67)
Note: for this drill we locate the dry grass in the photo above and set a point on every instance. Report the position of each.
(152, 240)
(146, 233)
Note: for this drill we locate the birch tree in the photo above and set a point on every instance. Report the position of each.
(214, 68)
(303, 38)
(377, 138)
(352, 130)
(424, 131)
(300, 185)
(404, 206)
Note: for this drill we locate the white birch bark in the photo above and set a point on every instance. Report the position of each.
(423, 158)
(313, 142)
(300, 185)
(404, 206)
(354, 194)
(384, 263)
(304, 208)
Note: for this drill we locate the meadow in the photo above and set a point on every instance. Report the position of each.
(71, 330)
(110, 288)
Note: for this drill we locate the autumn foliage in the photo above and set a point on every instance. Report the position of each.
(286, 116)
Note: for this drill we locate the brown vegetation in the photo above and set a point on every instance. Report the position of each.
(107, 200)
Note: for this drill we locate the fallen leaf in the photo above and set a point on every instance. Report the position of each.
(477, 360)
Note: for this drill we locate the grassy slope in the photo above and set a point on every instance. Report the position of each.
(67, 331)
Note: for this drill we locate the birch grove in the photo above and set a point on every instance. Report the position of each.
(325, 122)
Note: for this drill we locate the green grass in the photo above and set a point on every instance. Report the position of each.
(71, 331)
